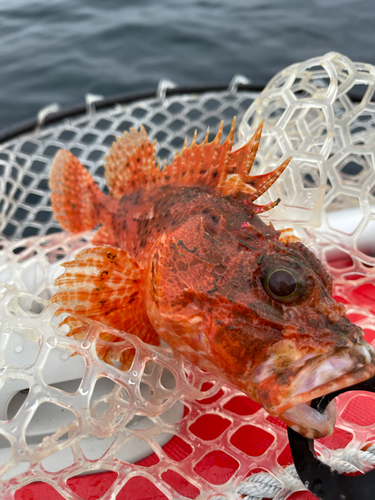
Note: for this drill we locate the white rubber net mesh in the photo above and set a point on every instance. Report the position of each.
(63, 415)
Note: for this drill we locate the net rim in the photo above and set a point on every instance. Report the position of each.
(26, 126)
(30, 125)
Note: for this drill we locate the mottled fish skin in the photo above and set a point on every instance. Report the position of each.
(191, 261)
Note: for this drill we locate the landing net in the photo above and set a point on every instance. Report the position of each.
(165, 428)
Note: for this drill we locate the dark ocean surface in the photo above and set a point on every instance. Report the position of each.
(59, 50)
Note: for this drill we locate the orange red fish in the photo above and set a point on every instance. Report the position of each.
(183, 255)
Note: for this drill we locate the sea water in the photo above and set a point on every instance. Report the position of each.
(59, 50)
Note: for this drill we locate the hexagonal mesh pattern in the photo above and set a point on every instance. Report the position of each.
(24, 162)
(224, 446)
(321, 113)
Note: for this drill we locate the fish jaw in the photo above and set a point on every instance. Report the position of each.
(288, 394)
(309, 422)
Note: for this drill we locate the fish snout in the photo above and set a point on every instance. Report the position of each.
(350, 366)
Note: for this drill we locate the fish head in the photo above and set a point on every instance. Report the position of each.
(320, 350)
(259, 313)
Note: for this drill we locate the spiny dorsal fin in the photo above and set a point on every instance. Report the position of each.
(208, 164)
(131, 165)
(105, 284)
(218, 167)
(287, 236)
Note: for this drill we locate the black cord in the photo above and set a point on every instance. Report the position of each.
(318, 477)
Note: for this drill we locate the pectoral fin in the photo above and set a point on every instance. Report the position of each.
(105, 284)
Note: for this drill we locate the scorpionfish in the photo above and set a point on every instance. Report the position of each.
(183, 255)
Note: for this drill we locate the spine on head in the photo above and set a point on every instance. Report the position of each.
(76, 199)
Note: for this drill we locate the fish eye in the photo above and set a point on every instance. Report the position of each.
(283, 285)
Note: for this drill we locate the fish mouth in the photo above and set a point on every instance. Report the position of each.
(288, 394)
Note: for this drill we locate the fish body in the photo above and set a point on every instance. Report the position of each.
(183, 255)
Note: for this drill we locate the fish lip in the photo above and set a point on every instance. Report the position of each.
(278, 395)
(309, 422)
(341, 382)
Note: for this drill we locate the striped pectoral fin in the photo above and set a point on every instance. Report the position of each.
(105, 284)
